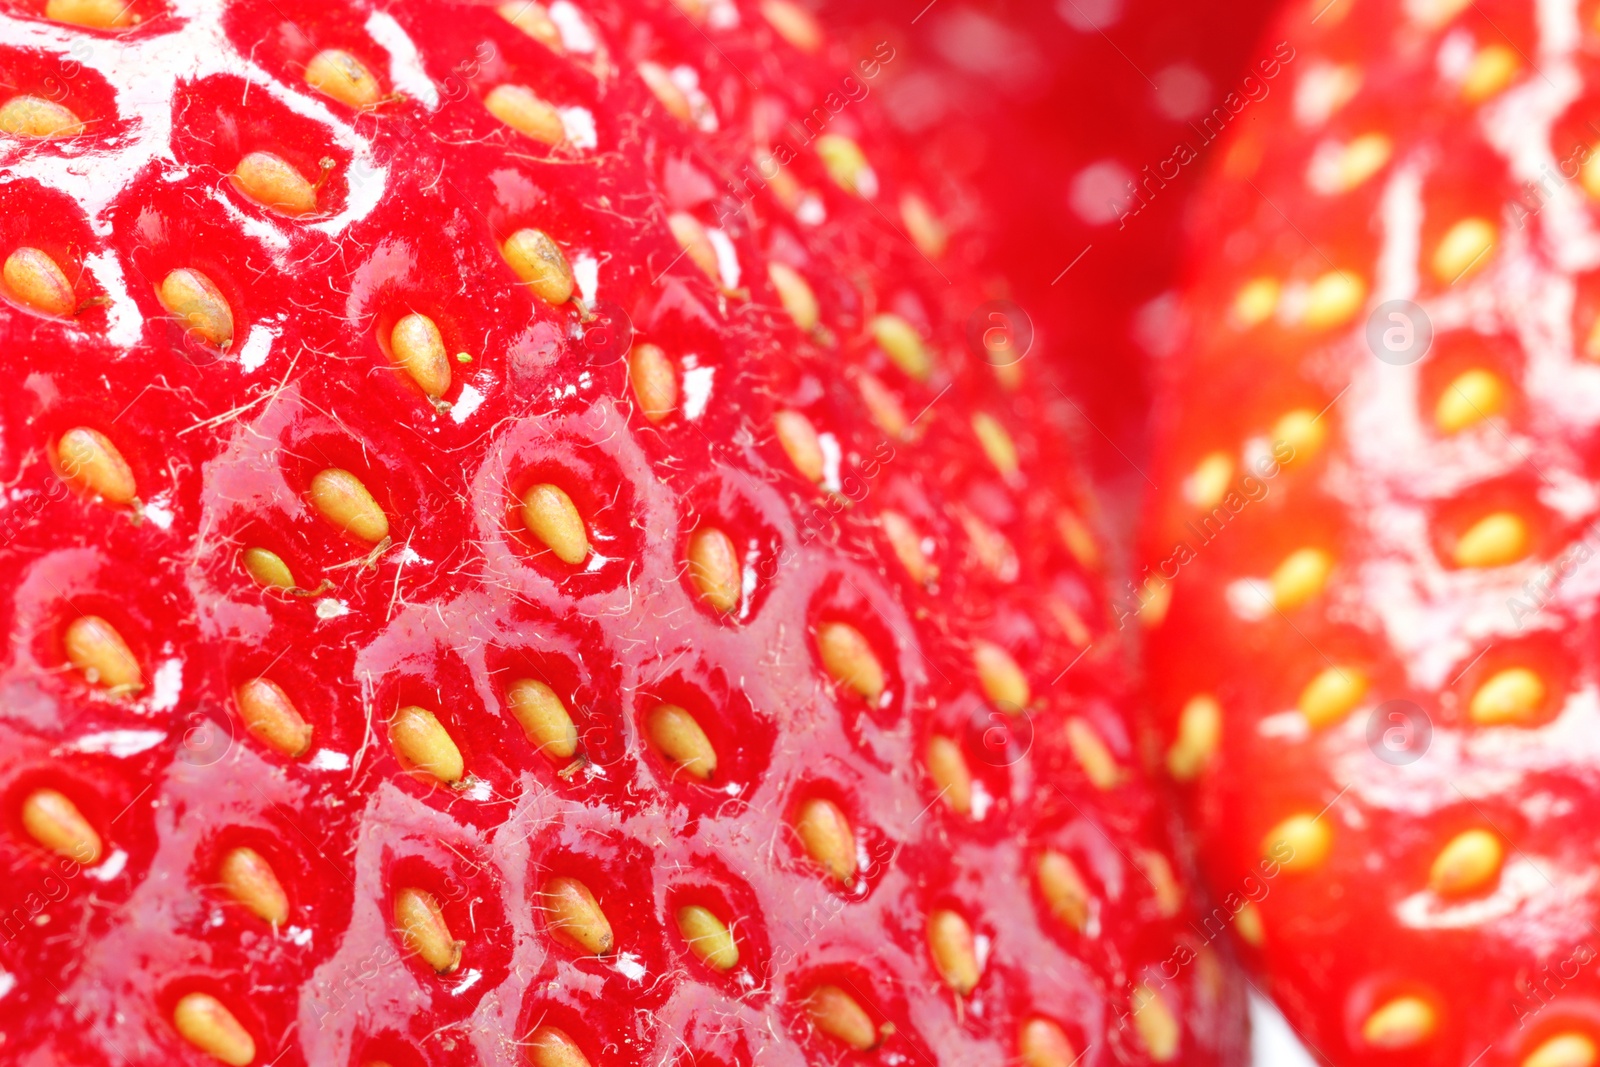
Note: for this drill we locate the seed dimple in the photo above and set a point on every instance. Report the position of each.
(696, 243)
(423, 744)
(997, 443)
(1512, 697)
(709, 939)
(679, 737)
(271, 716)
(574, 915)
(796, 295)
(907, 546)
(903, 344)
(553, 518)
(1157, 1026)
(90, 461)
(1199, 734)
(526, 112)
(1470, 862)
(55, 822)
(799, 440)
(250, 879)
(1400, 1023)
(950, 940)
(1042, 1043)
(849, 659)
(846, 164)
(1465, 249)
(423, 930)
(923, 226)
(344, 77)
(1334, 693)
(272, 182)
(1493, 541)
(539, 262)
(543, 717)
(1475, 395)
(1300, 578)
(206, 1024)
(1002, 679)
(38, 282)
(1092, 755)
(660, 82)
(534, 20)
(95, 647)
(1299, 843)
(836, 1013)
(418, 348)
(654, 383)
(198, 304)
(1064, 889)
(794, 24)
(947, 766)
(1570, 1049)
(1333, 299)
(26, 115)
(267, 568)
(827, 837)
(342, 499)
(714, 568)
(550, 1046)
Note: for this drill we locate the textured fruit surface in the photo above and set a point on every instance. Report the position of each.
(694, 666)
(1371, 587)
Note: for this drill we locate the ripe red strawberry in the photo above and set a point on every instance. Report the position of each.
(509, 558)
(1370, 575)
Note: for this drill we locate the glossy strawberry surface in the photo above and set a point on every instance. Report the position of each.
(1370, 590)
(275, 576)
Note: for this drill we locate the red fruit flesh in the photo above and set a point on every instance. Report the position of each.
(1377, 671)
(280, 485)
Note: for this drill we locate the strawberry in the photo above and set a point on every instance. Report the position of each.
(510, 558)
(1368, 576)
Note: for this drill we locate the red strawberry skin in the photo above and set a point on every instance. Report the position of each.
(287, 492)
(1371, 625)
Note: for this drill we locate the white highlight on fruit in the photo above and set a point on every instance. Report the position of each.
(575, 33)
(406, 72)
(578, 122)
(256, 348)
(118, 743)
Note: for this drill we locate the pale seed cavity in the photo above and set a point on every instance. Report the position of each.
(1512, 697)
(267, 568)
(196, 302)
(907, 546)
(574, 915)
(88, 460)
(342, 499)
(1468, 864)
(1042, 1043)
(1570, 1049)
(1156, 1024)
(846, 164)
(205, 1023)
(677, 735)
(1495, 540)
(903, 345)
(541, 265)
(550, 1046)
(417, 347)
(1064, 890)
(26, 115)
(37, 281)
(272, 182)
(827, 837)
(1300, 578)
(96, 649)
(1199, 735)
(55, 822)
(553, 518)
(696, 243)
(714, 568)
(1403, 1022)
(801, 443)
(925, 229)
(1474, 396)
(950, 942)
(526, 112)
(1299, 843)
(342, 76)
(794, 24)
(272, 718)
(425, 746)
(837, 1014)
(247, 877)
(1333, 694)
(709, 939)
(533, 19)
(948, 769)
(1001, 677)
(796, 295)
(660, 82)
(424, 931)
(1092, 755)
(654, 382)
(850, 661)
(1466, 249)
(544, 718)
